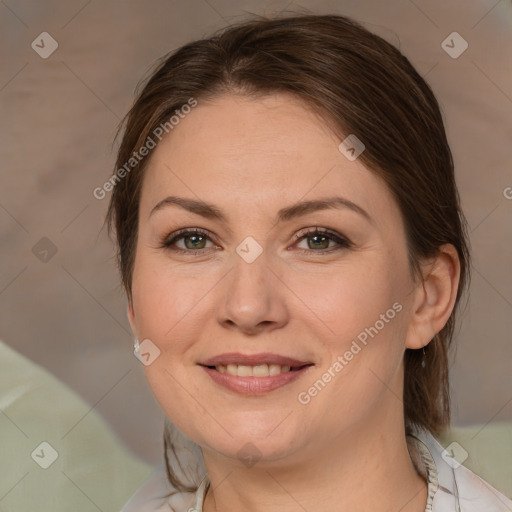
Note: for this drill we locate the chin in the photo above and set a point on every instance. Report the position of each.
(250, 445)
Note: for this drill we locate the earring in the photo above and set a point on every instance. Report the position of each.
(136, 346)
(423, 364)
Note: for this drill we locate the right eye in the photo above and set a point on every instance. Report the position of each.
(194, 240)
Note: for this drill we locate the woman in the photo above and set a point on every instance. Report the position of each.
(293, 250)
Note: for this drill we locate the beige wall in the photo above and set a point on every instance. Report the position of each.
(58, 117)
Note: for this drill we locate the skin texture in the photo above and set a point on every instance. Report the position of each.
(250, 158)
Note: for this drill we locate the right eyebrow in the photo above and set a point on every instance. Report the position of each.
(196, 206)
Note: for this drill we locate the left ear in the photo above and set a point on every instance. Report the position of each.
(435, 297)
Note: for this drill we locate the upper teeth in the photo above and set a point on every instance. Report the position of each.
(260, 370)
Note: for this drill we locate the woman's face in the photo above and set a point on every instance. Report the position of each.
(252, 283)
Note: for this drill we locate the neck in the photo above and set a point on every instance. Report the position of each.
(367, 467)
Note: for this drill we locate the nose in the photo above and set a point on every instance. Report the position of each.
(253, 298)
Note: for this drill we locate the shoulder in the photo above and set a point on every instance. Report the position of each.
(455, 487)
(476, 495)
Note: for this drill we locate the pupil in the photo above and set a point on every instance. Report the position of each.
(324, 239)
(196, 238)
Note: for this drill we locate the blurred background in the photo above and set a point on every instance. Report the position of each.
(68, 74)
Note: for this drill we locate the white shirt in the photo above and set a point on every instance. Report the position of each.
(451, 487)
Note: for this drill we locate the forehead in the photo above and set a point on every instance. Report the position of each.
(236, 151)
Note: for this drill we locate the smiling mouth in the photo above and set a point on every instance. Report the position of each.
(260, 370)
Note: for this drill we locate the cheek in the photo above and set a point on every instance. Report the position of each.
(163, 300)
(363, 322)
(166, 302)
(351, 297)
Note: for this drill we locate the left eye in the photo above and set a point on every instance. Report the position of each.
(195, 240)
(320, 239)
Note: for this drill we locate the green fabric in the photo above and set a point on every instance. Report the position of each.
(93, 470)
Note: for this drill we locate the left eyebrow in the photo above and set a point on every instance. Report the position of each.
(210, 211)
(327, 203)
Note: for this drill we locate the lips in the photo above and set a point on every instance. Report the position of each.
(254, 360)
(254, 374)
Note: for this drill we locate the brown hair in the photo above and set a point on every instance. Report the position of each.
(360, 84)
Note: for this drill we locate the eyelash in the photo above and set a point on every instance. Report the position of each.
(168, 241)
